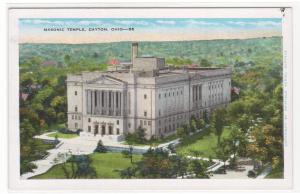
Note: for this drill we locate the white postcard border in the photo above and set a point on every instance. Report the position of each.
(145, 184)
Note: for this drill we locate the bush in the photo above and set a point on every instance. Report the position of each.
(100, 147)
(136, 137)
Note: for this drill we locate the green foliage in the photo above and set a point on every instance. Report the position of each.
(80, 167)
(257, 71)
(218, 121)
(199, 168)
(224, 151)
(137, 137)
(100, 147)
(107, 165)
(128, 154)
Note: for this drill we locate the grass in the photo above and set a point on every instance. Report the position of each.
(275, 174)
(63, 135)
(106, 165)
(204, 144)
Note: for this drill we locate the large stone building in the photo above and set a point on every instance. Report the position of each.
(146, 93)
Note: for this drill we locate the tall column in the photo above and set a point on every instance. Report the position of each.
(112, 102)
(88, 106)
(100, 102)
(121, 103)
(92, 101)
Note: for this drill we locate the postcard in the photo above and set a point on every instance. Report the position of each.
(181, 98)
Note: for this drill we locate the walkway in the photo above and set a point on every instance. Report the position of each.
(78, 146)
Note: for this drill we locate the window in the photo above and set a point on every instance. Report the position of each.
(229, 83)
(145, 122)
(158, 112)
(145, 113)
(76, 109)
(118, 131)
(117, 122)
(75, 93)
(79, 117)
(89, 120)
(159, 96)
(181, 92)
(145, 96)
(76, 125)
(129, 125)
(149, 123)
(159, 122)
(73, 117)
(110, 130)
(89, 128)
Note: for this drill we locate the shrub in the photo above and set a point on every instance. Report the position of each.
(100, 147)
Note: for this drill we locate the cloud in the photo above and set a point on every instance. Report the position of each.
(258, 23)
(203, 23)
(168, 22)
(61, 22)
(132, 22)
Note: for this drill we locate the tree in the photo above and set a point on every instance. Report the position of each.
(200, 124)
(141, 134)
(180, 132)
(266, 144)
(199, 168)
(127, 173)
(223, 152)
(80, 167)
(219, 122)
(244, 122)
(100, 147)
(128, 154)
(237, 141)
(193, 125)
(180, 165)
(156, 163)
(205, 63)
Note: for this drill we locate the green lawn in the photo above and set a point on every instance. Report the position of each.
(63, 135)
(105, 164)
(205, 144)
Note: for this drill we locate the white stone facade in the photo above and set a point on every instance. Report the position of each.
(155, 97)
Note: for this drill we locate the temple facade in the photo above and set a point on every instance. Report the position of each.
(143, 93)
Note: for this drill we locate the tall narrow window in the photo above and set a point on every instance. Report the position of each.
(145, 96)
(76, 109)
(75, 93)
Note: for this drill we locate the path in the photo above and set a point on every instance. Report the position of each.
(77, 146)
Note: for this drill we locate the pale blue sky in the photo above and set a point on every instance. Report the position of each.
(205, 28)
